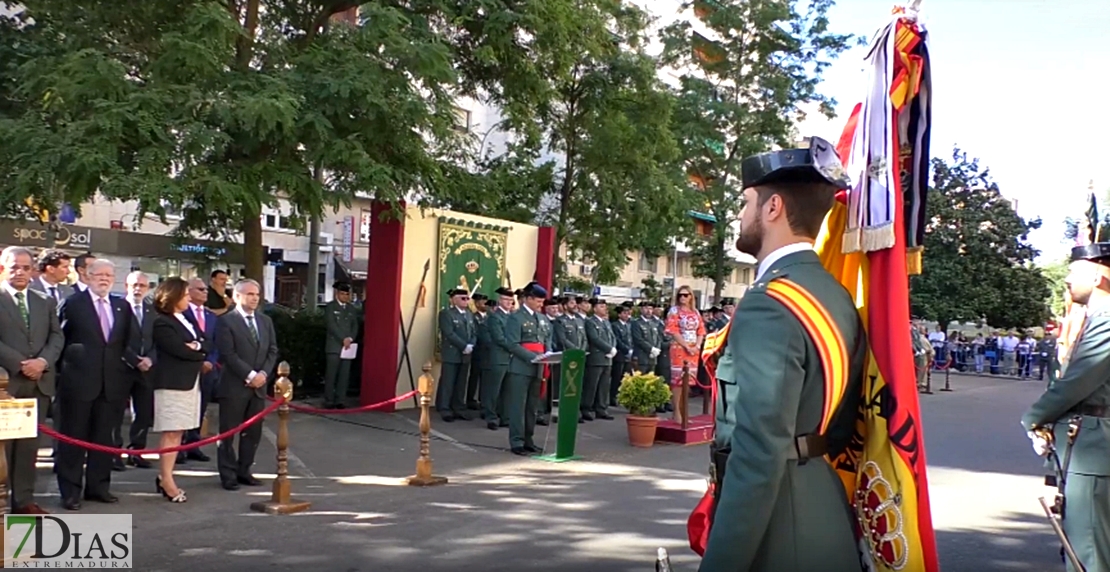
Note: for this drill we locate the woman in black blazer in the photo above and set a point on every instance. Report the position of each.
(180, 348)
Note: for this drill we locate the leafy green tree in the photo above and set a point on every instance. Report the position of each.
(978, 259)
(743, 94)
(1055, 272)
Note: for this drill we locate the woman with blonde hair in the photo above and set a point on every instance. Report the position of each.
(181, 347)
(686, 330)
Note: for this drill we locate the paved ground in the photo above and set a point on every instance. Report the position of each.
(502, 513)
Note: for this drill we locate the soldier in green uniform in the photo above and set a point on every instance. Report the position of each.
(570, 333)
(1080, 401)
(599, 361)
(622, 362)
(551, 310)
(645, 338)
(496, 364)
(528, 336)
(663, 360)
(779, 506)
(341, 320)
(458, 335)
(481, 350)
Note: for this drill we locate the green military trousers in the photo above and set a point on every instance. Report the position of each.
(451, 393)
(493, 394)
(1087, 520)
(337, 378)
(522, 397)
(595, 389)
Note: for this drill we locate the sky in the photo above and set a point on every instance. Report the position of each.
(1020, 84)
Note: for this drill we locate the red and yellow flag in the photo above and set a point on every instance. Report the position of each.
(884, 472)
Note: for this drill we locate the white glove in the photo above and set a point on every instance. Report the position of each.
(629, 353)
(611, 353)
(1040, 445)
(654, 352)
(469, 348)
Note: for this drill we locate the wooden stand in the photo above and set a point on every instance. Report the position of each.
(424, 476)
(281, 502)
(693, 430)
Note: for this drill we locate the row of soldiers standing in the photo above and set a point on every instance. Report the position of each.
(487, 348)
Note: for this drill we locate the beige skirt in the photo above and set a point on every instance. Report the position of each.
(177, 410)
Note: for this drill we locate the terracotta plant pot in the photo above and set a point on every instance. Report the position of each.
(641, 430)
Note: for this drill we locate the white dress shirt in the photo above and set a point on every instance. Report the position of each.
(778, 253)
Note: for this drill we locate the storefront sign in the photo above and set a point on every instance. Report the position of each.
(34, 235)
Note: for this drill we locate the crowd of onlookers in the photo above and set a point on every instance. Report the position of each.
(1013, 353)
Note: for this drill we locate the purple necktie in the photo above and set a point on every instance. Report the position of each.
(105, 325)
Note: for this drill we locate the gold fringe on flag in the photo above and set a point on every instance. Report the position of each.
(913, 260)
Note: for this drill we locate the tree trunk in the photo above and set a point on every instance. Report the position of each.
(252, 249)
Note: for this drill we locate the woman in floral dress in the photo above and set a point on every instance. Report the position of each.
(686, 330)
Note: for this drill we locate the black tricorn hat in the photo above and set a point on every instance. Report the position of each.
(341, 286)
(579, 299)
(647, 304)
(814, 163)
(503, 291)
(728, 301)
(457, 292)
(550, 302)
(627, 304)
(596, 301)
(1096, 237)
(479, 297)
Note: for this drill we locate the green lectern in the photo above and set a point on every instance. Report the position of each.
(573, 367)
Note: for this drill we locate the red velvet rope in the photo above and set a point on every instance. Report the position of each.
(117, 451)
(363, 409)
(230, 433)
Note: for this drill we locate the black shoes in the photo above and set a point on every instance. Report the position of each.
(249, 481)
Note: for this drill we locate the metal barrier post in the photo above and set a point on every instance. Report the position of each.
(948, 377)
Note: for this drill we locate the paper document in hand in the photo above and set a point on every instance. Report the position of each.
(549, 358)
(349, 352)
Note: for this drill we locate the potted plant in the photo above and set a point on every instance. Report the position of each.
(641, 394)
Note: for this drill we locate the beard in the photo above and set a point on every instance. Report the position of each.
(750, 240)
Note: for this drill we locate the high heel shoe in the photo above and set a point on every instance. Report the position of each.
(178, 498)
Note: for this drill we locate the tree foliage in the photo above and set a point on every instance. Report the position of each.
(977, 263)
(744, 95)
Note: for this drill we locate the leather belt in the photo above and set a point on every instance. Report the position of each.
(806, 447)
(1093, 410)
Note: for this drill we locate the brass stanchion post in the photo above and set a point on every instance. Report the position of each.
(947, 377)
(424, 476)
(281, 502)
(684, 396)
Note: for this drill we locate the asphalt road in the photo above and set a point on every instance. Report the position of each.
(606, 512)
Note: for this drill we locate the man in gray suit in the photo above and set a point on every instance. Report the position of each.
(248, 353)
(30, 344)
(53, 268)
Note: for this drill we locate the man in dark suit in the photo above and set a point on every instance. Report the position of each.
(341, 321)
(142, 394)
(30, 344)
(622, 361)
(95, 382)
(248, 353)
(53, 268)
(206, 321)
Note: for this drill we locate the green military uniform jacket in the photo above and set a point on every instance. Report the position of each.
(622, 336)
(497, 354)
(482, 347)
(570, 332)
(524, 326)
(599, 336)
(774, 512)
(1084, 385)
(645, 336)
(340, 321)
(456, 331)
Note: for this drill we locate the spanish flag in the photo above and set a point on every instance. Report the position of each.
(871, 243)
